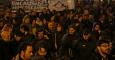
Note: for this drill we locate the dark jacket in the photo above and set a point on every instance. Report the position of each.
(14, 46)
(5, 50)
(67, 45)
(97, 56)
(83, 49)
(59, 36)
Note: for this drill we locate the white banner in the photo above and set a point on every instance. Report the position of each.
(57, 5)
(29, 5)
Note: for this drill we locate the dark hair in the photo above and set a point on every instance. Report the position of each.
(40, 30)
(96, 24)
(26, 28)
(102, 41)
(18, 33)
(86, 31)
(72, 26)
(38, 46)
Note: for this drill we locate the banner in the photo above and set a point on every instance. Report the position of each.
(29, 5)
(58, 5)
(39, 5)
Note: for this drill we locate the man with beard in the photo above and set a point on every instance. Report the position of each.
(67, 43)
(102, 51)
(25, 52)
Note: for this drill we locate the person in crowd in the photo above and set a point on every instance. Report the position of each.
(84, 46)
(86, 21)
(51, 32)
(102, 51)
(17, 40)
(39, 23)
(57, 17)
(41, 54)
(7, 18)
(28, 37)
(26, 21)
(103, 21)
(41, 39)
(33, 15)
(110, 23)
(34, 27)
(96, 31)
(6, 32)
(5, 42)
(59, 40)
(25, 52)
(67, 43)
(69, 19)
(59, 35)
(46, 14)
(20, 13)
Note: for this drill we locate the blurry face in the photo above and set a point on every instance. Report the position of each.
(71, 30)
(86, 37)
(59, 28)
(104, 48)
(86, 12)
(42, 51)
(27, 20)
(13, 15)
(39, 22)
(5, 35)
(97, 27)
(28, 53)
(18, 38)
(41, 34)
(51, 25)
(1, 24)
(34, 22)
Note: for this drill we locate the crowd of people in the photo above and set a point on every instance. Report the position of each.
(85, 33)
